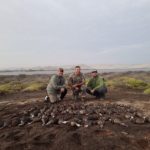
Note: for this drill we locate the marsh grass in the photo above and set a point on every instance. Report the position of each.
(128, 83)
(35, 86)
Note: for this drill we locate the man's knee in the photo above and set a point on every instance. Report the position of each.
(53, 98)
(102, 90)
(63, 94)
(76, 91)
(88, 91)
(65, 91)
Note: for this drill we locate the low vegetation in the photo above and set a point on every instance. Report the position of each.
(11, 87)
(22, 83)
(29, 83)
(129, 83)
(147, 91)
(36, 86)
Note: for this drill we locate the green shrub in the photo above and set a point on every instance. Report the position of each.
(11, 87)
(134, 83)
(147, 91)
(5, 88)
(36, 86)
(111, 84)
(127, 82)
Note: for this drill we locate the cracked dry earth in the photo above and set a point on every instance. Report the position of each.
(120, 122)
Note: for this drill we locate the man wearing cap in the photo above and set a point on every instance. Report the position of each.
(76, 82)
(56, 88)
(96, 85)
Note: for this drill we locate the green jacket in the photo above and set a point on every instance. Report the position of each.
(96, 83)
(56, 82)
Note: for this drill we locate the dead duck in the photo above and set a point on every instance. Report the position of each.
(1, 124)
(7, 123)
(75, 124)
(139, 120)
(119, 122)
(147, 119)
(101, 123)
(44, 109)
(44, 119)
(15, 121)
(62, 121)
(25, 120)
(34, 113)
(93, 117)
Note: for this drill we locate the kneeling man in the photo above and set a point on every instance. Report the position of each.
(96, 86)
(56, 88)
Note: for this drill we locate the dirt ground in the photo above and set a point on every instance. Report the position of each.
(65, 137)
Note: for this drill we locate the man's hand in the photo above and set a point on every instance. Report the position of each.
(77, 88)
(92, 91)
(75, 85)
(62, 89)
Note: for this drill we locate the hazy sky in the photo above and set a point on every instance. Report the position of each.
(60, 32)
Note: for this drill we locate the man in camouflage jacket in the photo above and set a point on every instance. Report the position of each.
(76, 82)
(56, 88)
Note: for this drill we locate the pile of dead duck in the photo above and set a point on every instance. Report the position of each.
(77, 115)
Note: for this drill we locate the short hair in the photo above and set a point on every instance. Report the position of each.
(61, 69)
(94, 71)
(77, 67)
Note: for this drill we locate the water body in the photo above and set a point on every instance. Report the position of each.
(68, 71)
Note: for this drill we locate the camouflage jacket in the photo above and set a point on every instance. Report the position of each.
(76, 79)
(56, 82)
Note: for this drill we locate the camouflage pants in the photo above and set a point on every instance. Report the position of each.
(77, 91)
(57, 96)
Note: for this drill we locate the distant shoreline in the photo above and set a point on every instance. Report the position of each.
(34, 72)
